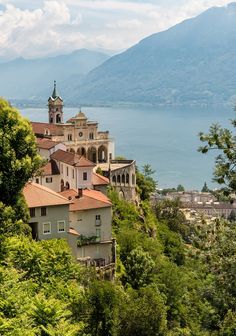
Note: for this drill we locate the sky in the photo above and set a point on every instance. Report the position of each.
(39, 28)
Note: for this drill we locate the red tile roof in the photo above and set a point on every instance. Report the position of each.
(98, 179)
(91, 199)
(44, 143)
(41, 128)
(72, 159)
(50, 168)
(39, 196)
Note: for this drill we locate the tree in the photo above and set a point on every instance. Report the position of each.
(99, 171)
(103, 298)
(180, 188)
(144, 313)
(205, 188)
(19, 159)
(223, 141)
(139, 266)
(145, 182)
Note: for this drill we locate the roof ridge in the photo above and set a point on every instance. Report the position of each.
(100, 200)
(50, 191)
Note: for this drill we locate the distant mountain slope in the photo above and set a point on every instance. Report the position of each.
(27, 79)
(194, 62)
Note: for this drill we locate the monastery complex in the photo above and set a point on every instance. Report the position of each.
(68, 199)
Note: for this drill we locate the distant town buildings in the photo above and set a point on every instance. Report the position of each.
(200, 202)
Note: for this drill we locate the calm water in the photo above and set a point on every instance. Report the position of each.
(165, 138)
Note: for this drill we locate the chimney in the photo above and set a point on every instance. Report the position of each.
(80, 192)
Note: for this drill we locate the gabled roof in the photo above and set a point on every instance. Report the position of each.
(46, 129)
(39, 196)
(72, 159)
(98, 179)
(44, 143)
(90, 199)
(50, 168)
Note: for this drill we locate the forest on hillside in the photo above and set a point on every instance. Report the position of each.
(173, 277)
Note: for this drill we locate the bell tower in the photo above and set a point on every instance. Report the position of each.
(55, 107)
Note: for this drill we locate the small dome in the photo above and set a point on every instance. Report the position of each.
(80, 115)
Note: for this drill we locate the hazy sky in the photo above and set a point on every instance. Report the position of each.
(35, 28)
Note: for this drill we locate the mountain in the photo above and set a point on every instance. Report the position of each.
(33, 79)
(193, 62)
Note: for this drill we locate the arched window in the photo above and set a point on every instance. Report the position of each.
(114, 179)
(62, 185)
(58, 119)
(91, 136)
(118, 178)
(47, 132)
(67, 185)
(127, 178)
(123, 178)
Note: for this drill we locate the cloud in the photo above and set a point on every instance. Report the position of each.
(48, 27)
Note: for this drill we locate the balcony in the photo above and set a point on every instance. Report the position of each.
(86, 240)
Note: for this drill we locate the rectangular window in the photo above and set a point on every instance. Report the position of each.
(32, 212)
(61, 226)
(73, 173)
(43, 211)
(85, 176)
(48, 179)
(69, 137)
(61, 168)
(37, 180)
(98, 220)
(47, 228)
(67, 171)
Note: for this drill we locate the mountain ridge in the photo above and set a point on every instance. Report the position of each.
(192, 62)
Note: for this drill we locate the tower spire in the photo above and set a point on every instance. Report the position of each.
(55, 107)
(55, 94)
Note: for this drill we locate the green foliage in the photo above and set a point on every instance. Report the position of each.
(180, 188)
(41, 260)
(205, 188)
(19, 159)
(99, 171)
(144, 313)
(169, 212)
(103, 306)
(145, 182)
(10, 225)
(139, 267)
(224, 141)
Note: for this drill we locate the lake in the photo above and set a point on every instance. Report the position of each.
(166, 138)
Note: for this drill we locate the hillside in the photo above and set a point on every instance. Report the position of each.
(193, 62)
(30, 79)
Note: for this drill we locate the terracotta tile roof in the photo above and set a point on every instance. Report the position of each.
(98, 179)
(72, 159)
(50, 168)
(40, 128)
(39, 196)
(91, 199)
(73, 232)
(44, 143)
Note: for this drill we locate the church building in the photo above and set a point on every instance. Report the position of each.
(78, 134)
